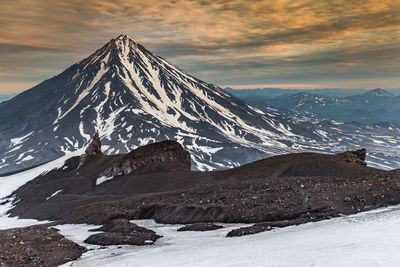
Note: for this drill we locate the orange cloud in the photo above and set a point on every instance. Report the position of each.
(279, 31)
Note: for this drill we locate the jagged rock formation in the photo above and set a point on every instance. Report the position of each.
(161, 156)
(94, 148)
(357, 156)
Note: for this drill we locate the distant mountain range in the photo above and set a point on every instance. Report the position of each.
(267, 93)
(372, 106)
(132, 97)
(6, 97)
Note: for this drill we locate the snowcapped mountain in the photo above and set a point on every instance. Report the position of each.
(374, 106)
(133, 97)
(378, 92)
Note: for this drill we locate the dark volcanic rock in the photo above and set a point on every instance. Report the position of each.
(159, 167)
(264, 226)
(122, 226)
(162, 156)
(250, 230)
(108, 239)
(94, 148)
(357, 156)
(122, 232)
(200, 227)
(36, 246)
(307, 186)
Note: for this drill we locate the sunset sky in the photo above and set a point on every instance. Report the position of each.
(279, 43)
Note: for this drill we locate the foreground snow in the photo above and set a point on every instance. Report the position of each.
(9, 184)
(366, 239)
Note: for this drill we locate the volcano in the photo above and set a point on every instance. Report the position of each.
(132, 97)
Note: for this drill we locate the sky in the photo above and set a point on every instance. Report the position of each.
(236, 43)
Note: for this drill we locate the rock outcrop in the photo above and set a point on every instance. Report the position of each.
(205, 226)
(356, 156)
(121, 226)
(264, 226)
(157, 157)
(122, 232)
(94, 148)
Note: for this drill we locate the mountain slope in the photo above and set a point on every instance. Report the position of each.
(128, 94)
(132, 97)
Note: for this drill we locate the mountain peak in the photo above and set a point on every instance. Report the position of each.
(122, 91)
(124, 38)
(123, 43)
(378, 92)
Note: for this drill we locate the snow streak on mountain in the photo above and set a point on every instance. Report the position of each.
(132, 97)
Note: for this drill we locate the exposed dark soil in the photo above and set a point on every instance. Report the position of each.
(200, 227)
(36, 246)
(253, 200)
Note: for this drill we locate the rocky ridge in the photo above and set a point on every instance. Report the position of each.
(157, 157)
(155, 182)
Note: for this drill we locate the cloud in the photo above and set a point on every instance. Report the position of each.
(277, 39)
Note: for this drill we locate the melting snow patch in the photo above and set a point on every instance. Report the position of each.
(18, 140)
(52, 195)
(14, 149)
(103, 179)
(29, 157)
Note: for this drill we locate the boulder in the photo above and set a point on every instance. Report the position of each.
(264, 226)
(108, 239)
(122, 232)
(200, 227)
(121, 226)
